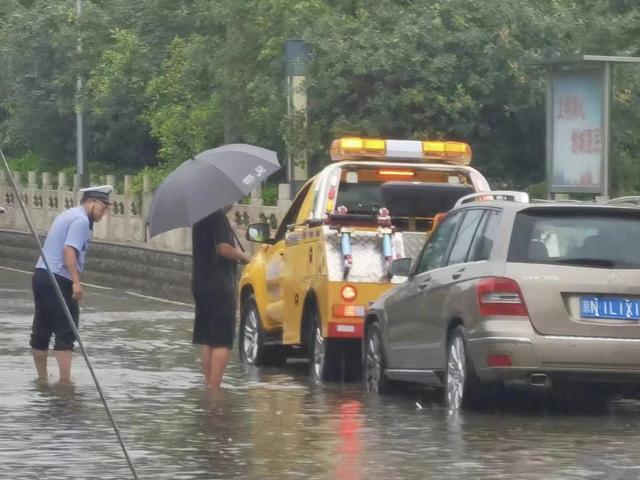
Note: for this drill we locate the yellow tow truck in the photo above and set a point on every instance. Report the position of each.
(306, 290)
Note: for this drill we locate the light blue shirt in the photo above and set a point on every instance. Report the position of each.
(71, 228)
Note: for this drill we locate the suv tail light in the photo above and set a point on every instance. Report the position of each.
(500, 296)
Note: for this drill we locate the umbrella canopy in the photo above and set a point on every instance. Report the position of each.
(208, 182)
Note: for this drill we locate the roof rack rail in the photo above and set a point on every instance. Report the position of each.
(634, 199)
(566, 200)
(509, 195)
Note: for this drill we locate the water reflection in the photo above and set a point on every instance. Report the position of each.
(267, 423)
(349, 451)
(219, 425)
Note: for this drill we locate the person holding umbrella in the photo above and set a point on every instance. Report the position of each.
(210, 182)
(215, 260)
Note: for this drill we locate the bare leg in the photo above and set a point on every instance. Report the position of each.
(205, 357)
(219, 359)
(64, 365)
(40, 359)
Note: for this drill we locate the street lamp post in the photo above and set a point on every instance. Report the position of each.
(296, 55)
(79, 118)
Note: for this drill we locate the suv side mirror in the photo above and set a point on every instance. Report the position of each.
(259, 232)
(400, 267)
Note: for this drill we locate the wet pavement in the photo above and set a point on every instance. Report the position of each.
(267, 423)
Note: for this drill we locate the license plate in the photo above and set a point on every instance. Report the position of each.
(610, 307)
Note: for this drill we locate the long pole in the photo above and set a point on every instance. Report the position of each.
(56, 287)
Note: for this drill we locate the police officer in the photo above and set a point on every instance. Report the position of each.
(64, 248)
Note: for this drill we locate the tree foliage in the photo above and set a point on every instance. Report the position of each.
(166, 79)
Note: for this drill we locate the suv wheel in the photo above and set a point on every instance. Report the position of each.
(459, 373)
(374, 362)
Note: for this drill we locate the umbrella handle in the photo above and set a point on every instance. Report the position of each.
(237, 240)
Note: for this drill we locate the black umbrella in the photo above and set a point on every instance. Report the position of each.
(208, 182)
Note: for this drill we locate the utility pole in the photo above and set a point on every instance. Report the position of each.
(79, 118)
(296, 56)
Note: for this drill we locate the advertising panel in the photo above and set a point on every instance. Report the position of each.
(578, 133)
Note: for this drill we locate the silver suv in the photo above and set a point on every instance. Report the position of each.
(508, 291)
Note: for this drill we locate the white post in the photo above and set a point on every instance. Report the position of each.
(79, 119)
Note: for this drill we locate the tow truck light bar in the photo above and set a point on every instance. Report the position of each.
(351, 148)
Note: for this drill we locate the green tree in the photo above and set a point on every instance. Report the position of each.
(455, 69)
(226, 83)
(183, 108)
(116, 100)
(38, 79)
(167, 79)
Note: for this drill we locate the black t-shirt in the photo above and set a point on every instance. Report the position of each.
(212, 272)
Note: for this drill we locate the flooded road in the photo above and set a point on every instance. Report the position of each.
(267, 424)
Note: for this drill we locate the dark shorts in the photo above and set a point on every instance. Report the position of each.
(50, 318)
(215, 322)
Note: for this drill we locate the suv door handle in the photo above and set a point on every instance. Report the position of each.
(458, 274)
(424, 283)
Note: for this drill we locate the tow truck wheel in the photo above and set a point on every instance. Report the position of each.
(321, 352)
(252, 337)
(374, 362)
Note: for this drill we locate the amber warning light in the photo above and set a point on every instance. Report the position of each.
(353, 148)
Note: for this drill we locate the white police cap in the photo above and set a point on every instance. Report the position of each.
(100, 193)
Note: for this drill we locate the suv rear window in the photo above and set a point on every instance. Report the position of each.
(583, 237)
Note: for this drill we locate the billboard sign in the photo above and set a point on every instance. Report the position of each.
(578, 143)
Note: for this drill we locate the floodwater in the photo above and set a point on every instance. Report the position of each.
(266, 424)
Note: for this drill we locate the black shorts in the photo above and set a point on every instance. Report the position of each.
(50, 318)
(215, 322)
